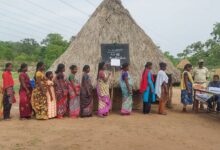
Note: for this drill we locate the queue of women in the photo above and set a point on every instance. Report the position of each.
(58, 96)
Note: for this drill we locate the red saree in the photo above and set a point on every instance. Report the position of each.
(25, 98)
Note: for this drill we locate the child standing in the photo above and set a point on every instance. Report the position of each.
(51, 98)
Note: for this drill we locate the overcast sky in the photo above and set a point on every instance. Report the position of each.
(172, 24)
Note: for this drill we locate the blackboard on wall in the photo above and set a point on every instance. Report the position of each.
(115, 51)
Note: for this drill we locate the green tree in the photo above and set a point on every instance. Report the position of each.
(29, 46)
(208, 50)
(29, 50)
(174, 60)
(53, 46)
(8, 54)
(216, 32)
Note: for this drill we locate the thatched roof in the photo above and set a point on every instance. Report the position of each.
(112, 23)
(182, 63)
(217, 71)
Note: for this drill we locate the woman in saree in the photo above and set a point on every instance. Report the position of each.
(74, 93)
(25, 93)
(147, 88)
(103, 91)
(39, 97)
(61, 91)
(8, 91)
(161, 88)
(51, 98)
(126, 87)
(86, 97)
(186, 87)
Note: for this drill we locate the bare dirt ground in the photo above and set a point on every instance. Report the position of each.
(176, 131)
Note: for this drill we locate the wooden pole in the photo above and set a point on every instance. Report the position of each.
(112, 91)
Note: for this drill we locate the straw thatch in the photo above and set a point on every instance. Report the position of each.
(217, 71)
(112, 23)
(182, 63)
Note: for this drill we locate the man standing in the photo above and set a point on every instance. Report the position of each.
(201, 75)
(215, 83)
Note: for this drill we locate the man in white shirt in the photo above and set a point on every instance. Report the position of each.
(200, 76)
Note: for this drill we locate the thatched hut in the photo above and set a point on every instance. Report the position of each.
(182, 63)
(112, 23)
(215, 72)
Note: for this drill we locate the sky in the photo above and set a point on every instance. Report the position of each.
(172, 24)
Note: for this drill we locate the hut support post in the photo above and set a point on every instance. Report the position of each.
(112, 91)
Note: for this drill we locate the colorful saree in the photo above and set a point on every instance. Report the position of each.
(61, 91)
(127, 100)
(25, 99)
(103, 95)
(51, 100)
(186, 97)
(148, 96)
(86, 97)
(73, 98)
(39, 99)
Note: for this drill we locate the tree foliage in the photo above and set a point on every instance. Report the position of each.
(29, 50)
(208, 50)
(53, 46)
(174, 60)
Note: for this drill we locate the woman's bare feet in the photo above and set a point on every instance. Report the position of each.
(125, 114)
(101, 116)
(184, 110)
(163, 113)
